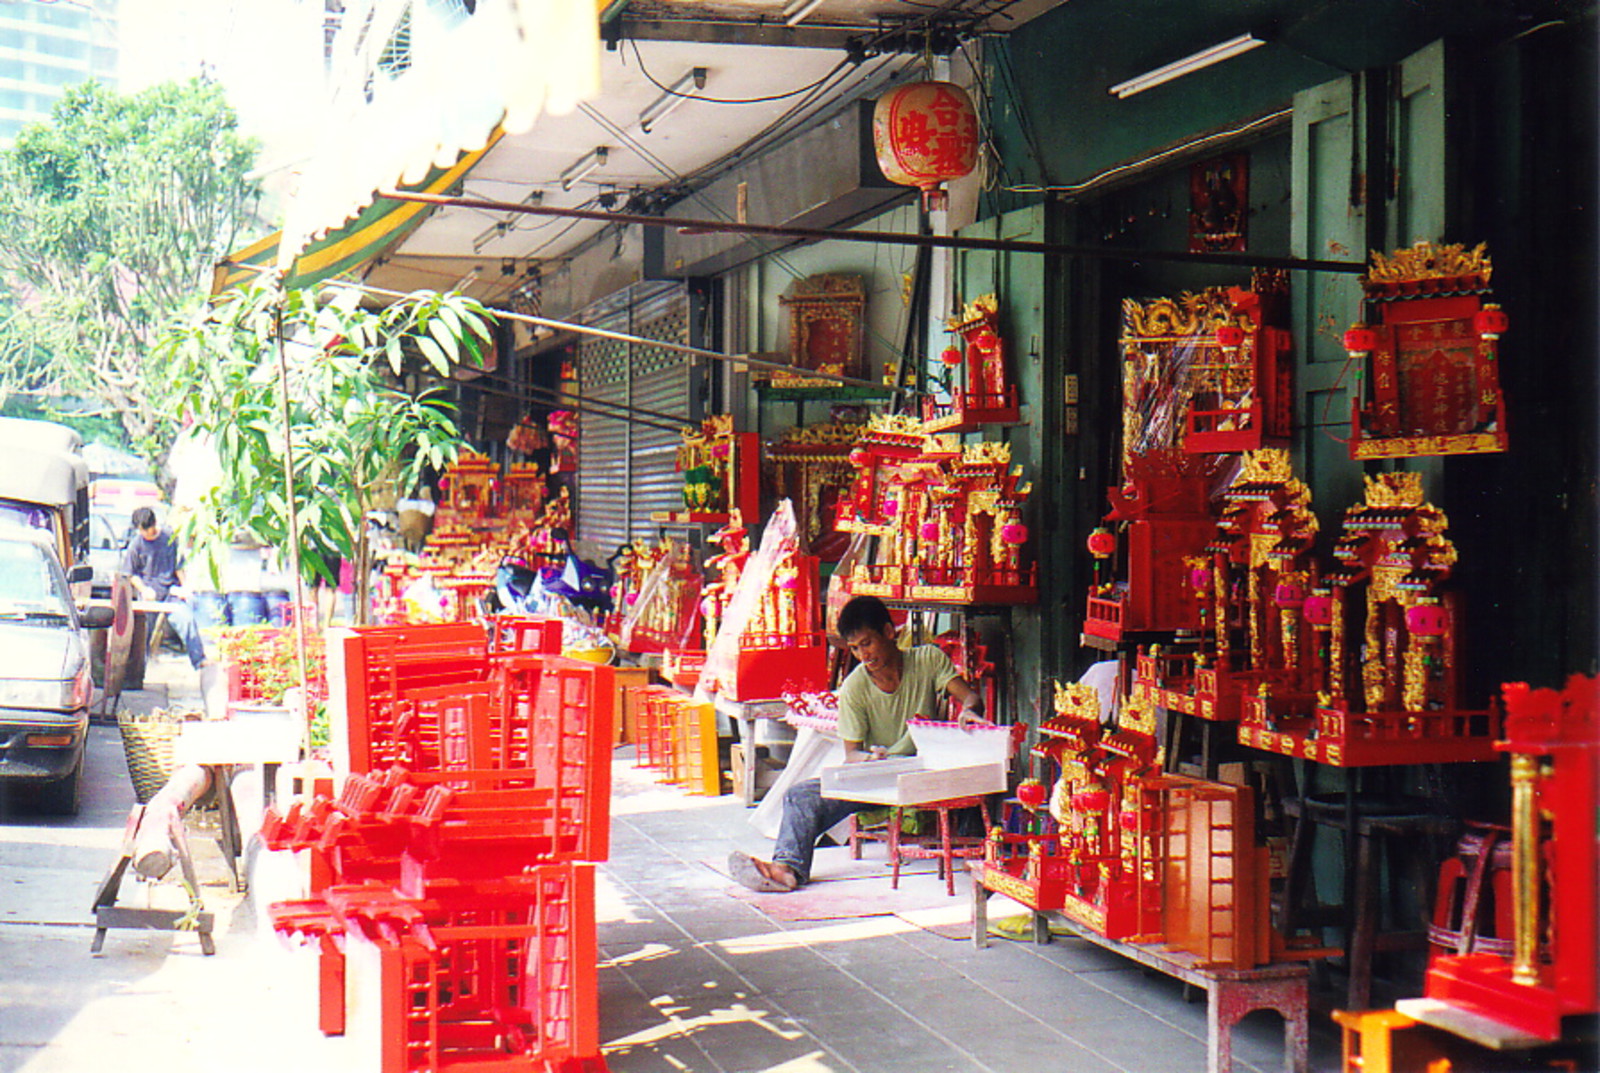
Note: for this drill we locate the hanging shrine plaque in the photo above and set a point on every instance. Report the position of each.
(1434, 378)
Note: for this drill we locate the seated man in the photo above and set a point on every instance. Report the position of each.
(887, 689)
(156, 569)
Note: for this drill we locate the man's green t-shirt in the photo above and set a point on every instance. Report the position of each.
(872, 717)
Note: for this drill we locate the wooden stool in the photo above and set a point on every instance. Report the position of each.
(943, 847)
(1382, 825)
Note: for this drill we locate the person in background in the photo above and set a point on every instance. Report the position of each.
(153, 564)
(888, 688)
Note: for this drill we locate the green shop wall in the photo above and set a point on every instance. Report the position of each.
(1054, 122)
(1489, 137)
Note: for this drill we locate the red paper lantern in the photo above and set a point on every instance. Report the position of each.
(930, 530)
(1102, 543)
(1091, 801)
(1032, 793)
(1361, 339)
(1230, 336)
(1319, 609)
(1289, 595)
(986, 341)
(860, 457)
(721, 449)
(1014, 533)
(1491, 321)
(950, 355)
(1200, 579)
(1427, 620)
(925, 133)
(891, 507)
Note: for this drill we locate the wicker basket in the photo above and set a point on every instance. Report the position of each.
(149, 741)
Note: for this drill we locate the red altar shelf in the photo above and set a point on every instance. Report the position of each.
(721, 474)
(1207, 372)
(1163, 509)
(985, 395)
(1434, 381)
(1401, 704)
(1240, 385)
(1553, 739)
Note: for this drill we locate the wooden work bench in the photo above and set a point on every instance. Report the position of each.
(1230, 993)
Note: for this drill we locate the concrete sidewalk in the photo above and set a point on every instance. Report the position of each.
(695, 972)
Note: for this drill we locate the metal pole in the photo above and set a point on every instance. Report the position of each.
(690, 227)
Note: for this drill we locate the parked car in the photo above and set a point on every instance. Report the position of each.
(108, 538)
(45, 687)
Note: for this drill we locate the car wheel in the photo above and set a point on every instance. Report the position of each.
(63, 796)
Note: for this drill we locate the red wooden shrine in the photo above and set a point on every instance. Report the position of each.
(1553, 738)
(1163, 514)
(981, 391)
(1433, 387)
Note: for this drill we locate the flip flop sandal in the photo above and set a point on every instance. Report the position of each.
(742, 867)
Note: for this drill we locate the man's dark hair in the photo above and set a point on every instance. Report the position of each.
(863, 613)
(144, 518)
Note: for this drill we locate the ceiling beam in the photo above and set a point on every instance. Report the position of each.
(734, 32)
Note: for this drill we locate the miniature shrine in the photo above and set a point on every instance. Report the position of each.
(1433, 386)
(721, 473)
(947, 518)
(980, 391)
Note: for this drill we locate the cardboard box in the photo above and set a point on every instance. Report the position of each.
(950, 762)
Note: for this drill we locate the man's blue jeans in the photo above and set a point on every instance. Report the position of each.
(180, 616)
(806, 816)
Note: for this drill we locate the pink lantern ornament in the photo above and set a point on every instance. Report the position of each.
(1427, 619)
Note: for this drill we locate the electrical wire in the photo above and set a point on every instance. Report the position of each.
(639, 59)
(1270, 119)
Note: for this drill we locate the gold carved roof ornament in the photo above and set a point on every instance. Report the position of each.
(1394, 490)
(1428, 260)
(1078, 700)
(1190, 313)
(986, 307)
(1270, 465)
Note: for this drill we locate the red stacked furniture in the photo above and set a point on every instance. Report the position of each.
(453, 874)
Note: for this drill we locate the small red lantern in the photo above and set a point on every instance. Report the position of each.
(1427, 620)
(1230, 337)
(721, 449)
(1102, 543)
(860, 457)
(986, 341)
(1032, 793)
(1491, 321)
(929, 531)
(1200, 579)
(1319, 609)
(1360, 340)
(950, 355)
(1014, 533)
(1091, 801)
(891, 507)
(925, 134)
(1289, 595)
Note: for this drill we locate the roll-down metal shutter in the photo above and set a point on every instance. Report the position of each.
(626, 469)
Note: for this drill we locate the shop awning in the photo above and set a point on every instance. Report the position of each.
(375, 229)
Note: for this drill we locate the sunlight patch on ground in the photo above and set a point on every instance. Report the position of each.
(675, 1026)
(850, 931)
(647, 952)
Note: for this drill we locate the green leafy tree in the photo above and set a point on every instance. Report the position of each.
(357, 436)
(112, 216)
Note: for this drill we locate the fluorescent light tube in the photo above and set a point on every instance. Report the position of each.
(583, 166)
(1226, 50)
(680, 91)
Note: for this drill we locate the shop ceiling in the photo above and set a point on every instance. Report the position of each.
(689, 91)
